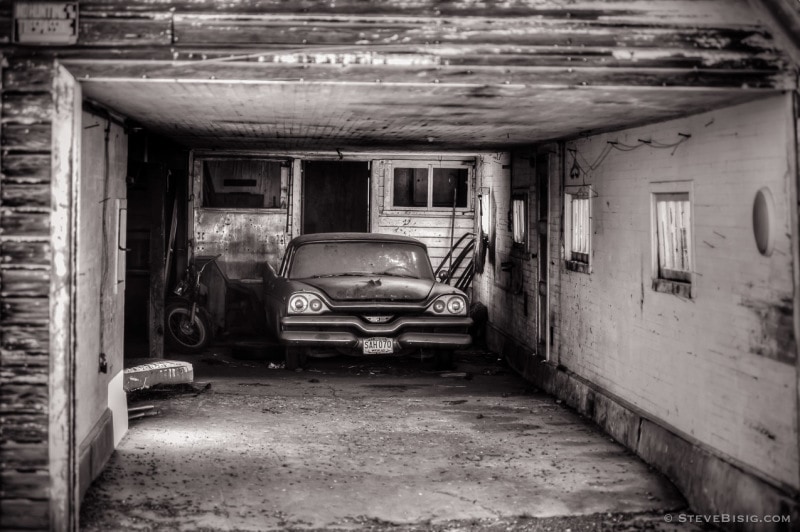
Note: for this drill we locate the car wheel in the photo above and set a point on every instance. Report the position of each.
(295, 358)
(443, 358)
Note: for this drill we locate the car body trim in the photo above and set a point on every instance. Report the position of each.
(376, 329)
(350, 340)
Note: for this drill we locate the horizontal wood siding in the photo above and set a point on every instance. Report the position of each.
(25, 163)
(701, 43)
(430, 227)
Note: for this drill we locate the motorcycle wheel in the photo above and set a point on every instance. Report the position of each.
(185, 335)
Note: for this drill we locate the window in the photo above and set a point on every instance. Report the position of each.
(242, 184)
(423, 185)
(519, 219)
(485, 206)
(673, 236)
(578, 231)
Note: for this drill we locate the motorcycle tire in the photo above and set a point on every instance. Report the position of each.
(182, 335)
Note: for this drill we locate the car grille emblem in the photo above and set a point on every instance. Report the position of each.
(377, 319)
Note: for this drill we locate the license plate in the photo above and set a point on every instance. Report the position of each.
(377, 346)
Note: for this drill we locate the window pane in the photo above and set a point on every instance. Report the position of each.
(364, 258)
(674, 236)
(485, 213)
(580, 228)
(410, 187)
(520, 222)
(446, 183)
(242, 183)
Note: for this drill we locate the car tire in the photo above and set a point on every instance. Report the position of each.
(295, 358)
(444, 359)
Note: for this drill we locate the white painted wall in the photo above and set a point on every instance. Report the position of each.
(718, 368)
(97, 277)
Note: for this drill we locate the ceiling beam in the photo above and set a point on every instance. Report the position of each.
(474, 76)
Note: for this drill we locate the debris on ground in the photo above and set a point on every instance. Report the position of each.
(166, 391)
(147, 372)
(457, 375)
(138, 412)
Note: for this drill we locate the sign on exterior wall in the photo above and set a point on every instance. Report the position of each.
(45, 23)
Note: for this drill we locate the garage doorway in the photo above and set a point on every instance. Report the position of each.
(336, 196)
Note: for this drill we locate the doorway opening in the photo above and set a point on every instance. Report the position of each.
(336, 196)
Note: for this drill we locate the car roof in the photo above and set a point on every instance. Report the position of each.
(354, 237)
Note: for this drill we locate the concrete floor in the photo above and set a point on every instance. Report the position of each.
(370, 445)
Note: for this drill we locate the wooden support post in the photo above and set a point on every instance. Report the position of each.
(65, 186)
(794, 212)
(156, 187)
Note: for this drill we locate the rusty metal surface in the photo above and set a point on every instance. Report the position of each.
(246, 239)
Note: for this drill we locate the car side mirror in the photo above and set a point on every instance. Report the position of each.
(443, 275)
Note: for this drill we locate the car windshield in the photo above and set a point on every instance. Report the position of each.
(338, 259)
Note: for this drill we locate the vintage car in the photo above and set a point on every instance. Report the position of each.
(363, 294)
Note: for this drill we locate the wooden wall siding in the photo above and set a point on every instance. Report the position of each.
(430, 227)
(705, 35)
(511, 67)
(719, 368)
(25, 281)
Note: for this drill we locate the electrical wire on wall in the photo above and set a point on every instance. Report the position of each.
(578, 170)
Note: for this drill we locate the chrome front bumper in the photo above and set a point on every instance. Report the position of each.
(351, 331)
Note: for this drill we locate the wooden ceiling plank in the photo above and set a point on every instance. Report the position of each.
(680, 11)
(242, 72)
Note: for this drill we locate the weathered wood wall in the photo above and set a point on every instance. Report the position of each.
(679, 33)
(512, 67)
(25, 129)
(433, 227)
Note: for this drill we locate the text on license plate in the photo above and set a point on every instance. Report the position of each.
(374, 346)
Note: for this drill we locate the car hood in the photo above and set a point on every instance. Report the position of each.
(371, 288)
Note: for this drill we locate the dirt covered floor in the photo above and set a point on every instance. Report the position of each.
(369, 444)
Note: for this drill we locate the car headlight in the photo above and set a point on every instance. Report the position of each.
(306, 304)
(452, 304)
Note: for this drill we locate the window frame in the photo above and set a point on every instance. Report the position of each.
(388, 184)
(685, 287)
(284, 178)
(582, 263)
(523, 196)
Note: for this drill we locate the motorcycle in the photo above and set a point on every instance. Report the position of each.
(189, 327)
